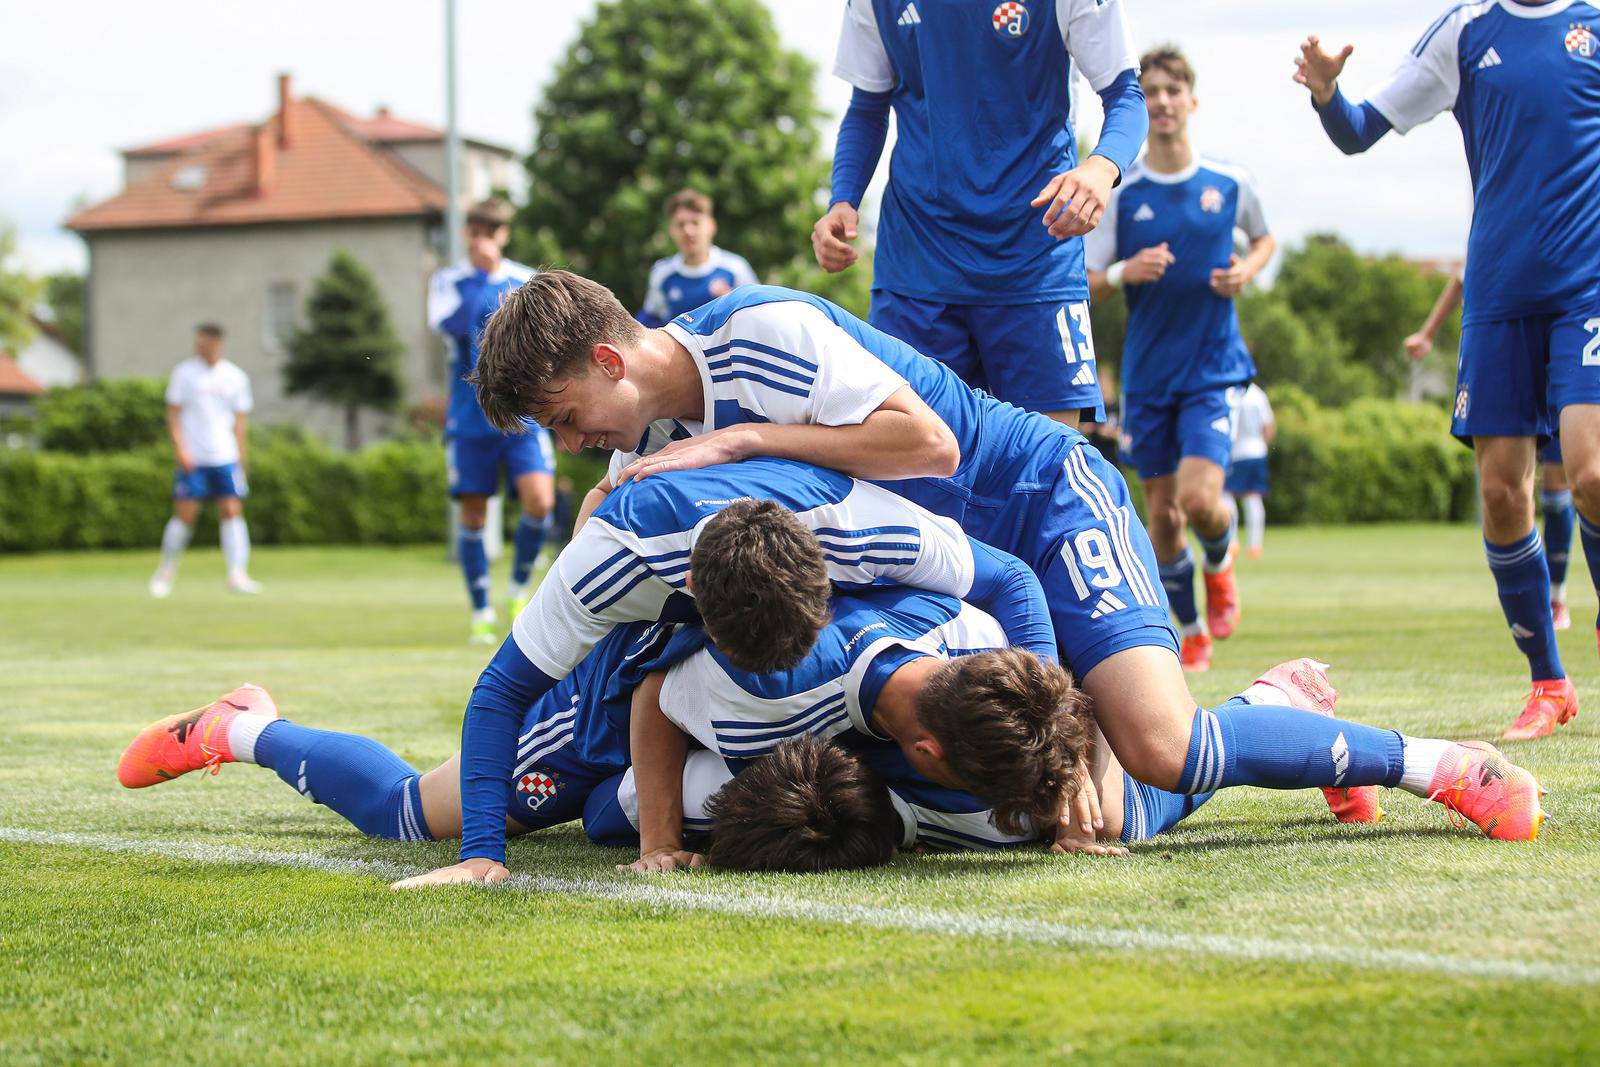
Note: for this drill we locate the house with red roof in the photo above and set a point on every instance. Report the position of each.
(232, 225)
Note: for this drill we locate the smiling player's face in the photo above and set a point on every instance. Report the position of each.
(1170, 102)
(596, 409)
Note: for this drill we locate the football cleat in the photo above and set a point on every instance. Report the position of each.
(1551, 703)
(1254, 552)
(1475, 782)
(1560, 617)
(483, 633)
(1195, 654)
(1304, 684)
(161, 583)
(1222, 602)
(240, 582)
(518, 600)
(195, 740)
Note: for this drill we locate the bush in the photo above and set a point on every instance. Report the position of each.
(102, 416)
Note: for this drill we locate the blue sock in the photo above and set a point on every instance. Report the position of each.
(1217, 551)
(530, 539)
(1559, 519)
(1177, 578)
(1523, 581)
(474, 567)
(1279, 747)
(1589, 537)
(1148, 811)
(379, 792)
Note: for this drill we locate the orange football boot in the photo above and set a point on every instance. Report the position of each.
(1476, 782)
(1222, 601)
(1195, 653)
(197, 739)
(1304, 684)
(1550, 704)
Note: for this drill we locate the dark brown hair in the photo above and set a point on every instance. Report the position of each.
(808, 806)
(1167, 57)
(209, 329)
(690, 199)
(544, 331)
(1013, 728)
(761, 584)
(491, 214)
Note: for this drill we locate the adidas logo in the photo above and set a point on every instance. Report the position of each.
(1221, 425)
(1520, 631)
(909, 17)
(1108, 603)
(1491, 58)
(1144, 214)
(1085, 375)
(1340, 751)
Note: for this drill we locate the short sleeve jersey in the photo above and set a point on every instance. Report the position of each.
(1252, 419)
(1523, 81)
(209, 400)
(980, 94)
(460, 300)
(676, 287)
(1182, 337)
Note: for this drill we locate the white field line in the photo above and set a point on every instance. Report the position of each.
(631, 890)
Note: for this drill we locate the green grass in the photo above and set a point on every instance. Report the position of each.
(120, 956)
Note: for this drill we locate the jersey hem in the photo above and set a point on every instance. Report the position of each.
(1068, 295)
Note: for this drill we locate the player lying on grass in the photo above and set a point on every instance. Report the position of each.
(766, 371)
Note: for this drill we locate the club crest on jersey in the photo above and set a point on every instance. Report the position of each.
(1211, 200)
(1461, 402)
(535, 788)
(720, 287)
(1010, 19)
(1580, 42)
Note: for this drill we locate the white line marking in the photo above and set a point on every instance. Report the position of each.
(628, 890)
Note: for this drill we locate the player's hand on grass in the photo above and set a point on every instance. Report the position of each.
(1319, 70)
(1229, 281)
(831, 235)
(1077, 197)
(1418, 344)
(727, 445)
(467, 872)
(1080, 820)
(1147, 265)
(664, 859)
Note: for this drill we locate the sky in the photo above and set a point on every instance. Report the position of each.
(69, 99)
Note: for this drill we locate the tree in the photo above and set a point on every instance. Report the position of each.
(19, 294)
(656, 95)
(347, 352)
(63, 294)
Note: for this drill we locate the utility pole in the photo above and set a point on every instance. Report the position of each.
(452, 141)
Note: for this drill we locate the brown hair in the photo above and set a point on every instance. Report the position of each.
(209, 329)
(1167, 58)
(492, 213)
(1013, 728)
(808, 806)
(761, 584)
(690, 199)
(545, 330)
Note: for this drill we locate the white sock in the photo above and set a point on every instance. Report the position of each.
(174, 539)
(1422, 759)
(1263, 693)
(242, 733)
(1190, 629)
(485, 615)
(1255, 519)
(236, 544)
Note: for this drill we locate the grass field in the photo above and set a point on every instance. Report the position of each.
(228, 920)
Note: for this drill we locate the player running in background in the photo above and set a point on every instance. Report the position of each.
(1523, 81)
(699, 271)
(460, 298)
(1167, 239)
(208, 404)
(967, 271)
(1247, 479)
(1555, 495)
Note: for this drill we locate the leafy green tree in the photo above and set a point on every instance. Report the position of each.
(19, 294)
(347, 354)
(655, 95)
(118, 415)
(63, 293)
(1300, 350)
(850, 289)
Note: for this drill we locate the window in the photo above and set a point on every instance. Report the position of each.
(279, 320)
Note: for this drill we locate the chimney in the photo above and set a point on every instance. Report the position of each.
(383, 111)
(264, 158)
(285, 123)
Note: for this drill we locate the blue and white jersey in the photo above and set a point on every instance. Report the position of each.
(767, 354)
(1524, 83)
(676, 287)
(738, 714)
(1182, 337)
(628, 562)
(460, 300)
(981, 97)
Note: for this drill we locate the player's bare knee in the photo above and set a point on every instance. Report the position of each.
(474, 512)
(1585, 483)
(1507, 502)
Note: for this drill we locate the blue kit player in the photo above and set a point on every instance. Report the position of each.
(1168, 240)
(1523, 81)
(967, 270)
(699, 271)
(460, 299)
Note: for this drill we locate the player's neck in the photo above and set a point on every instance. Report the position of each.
(1168, 155)
(695, 259)
(895, 713)
(671, 376)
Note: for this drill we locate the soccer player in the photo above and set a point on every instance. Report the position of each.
(1523, 81)
(460, 298)
(699, 271)
(208, 406)
(1555, 495)
(704, 389)
(1167, 239)
(966, 271)
(1247, 479)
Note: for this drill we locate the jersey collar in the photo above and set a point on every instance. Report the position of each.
(683, 270)
(1524, 10)
(1175, 178)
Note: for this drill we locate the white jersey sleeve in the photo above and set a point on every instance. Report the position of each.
(655, 297)
(954, 831)
(1096, 36)
(873, 536)
(1428, 80)
(703, 774)
(178, 385)
(706, 703)
(1100, 243)
(243, 399)
(861, 59)
(743, 273)
(443, 296)
(1252, 219)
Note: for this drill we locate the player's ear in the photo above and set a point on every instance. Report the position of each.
(929, 747)
(608, 358)
(688, 582)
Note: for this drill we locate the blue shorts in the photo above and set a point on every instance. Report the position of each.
(1248, 476)
(1038, 356)
(1515, 375)
(474, 463)
(1550, 452)
(554, 775)
(209, 483)
(1164, 431)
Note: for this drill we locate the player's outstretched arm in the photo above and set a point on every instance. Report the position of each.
(1352, 128)
(658, 750)
(1420, 343)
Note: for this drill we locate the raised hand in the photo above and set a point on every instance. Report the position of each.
(1319, 70)
(831, 235)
